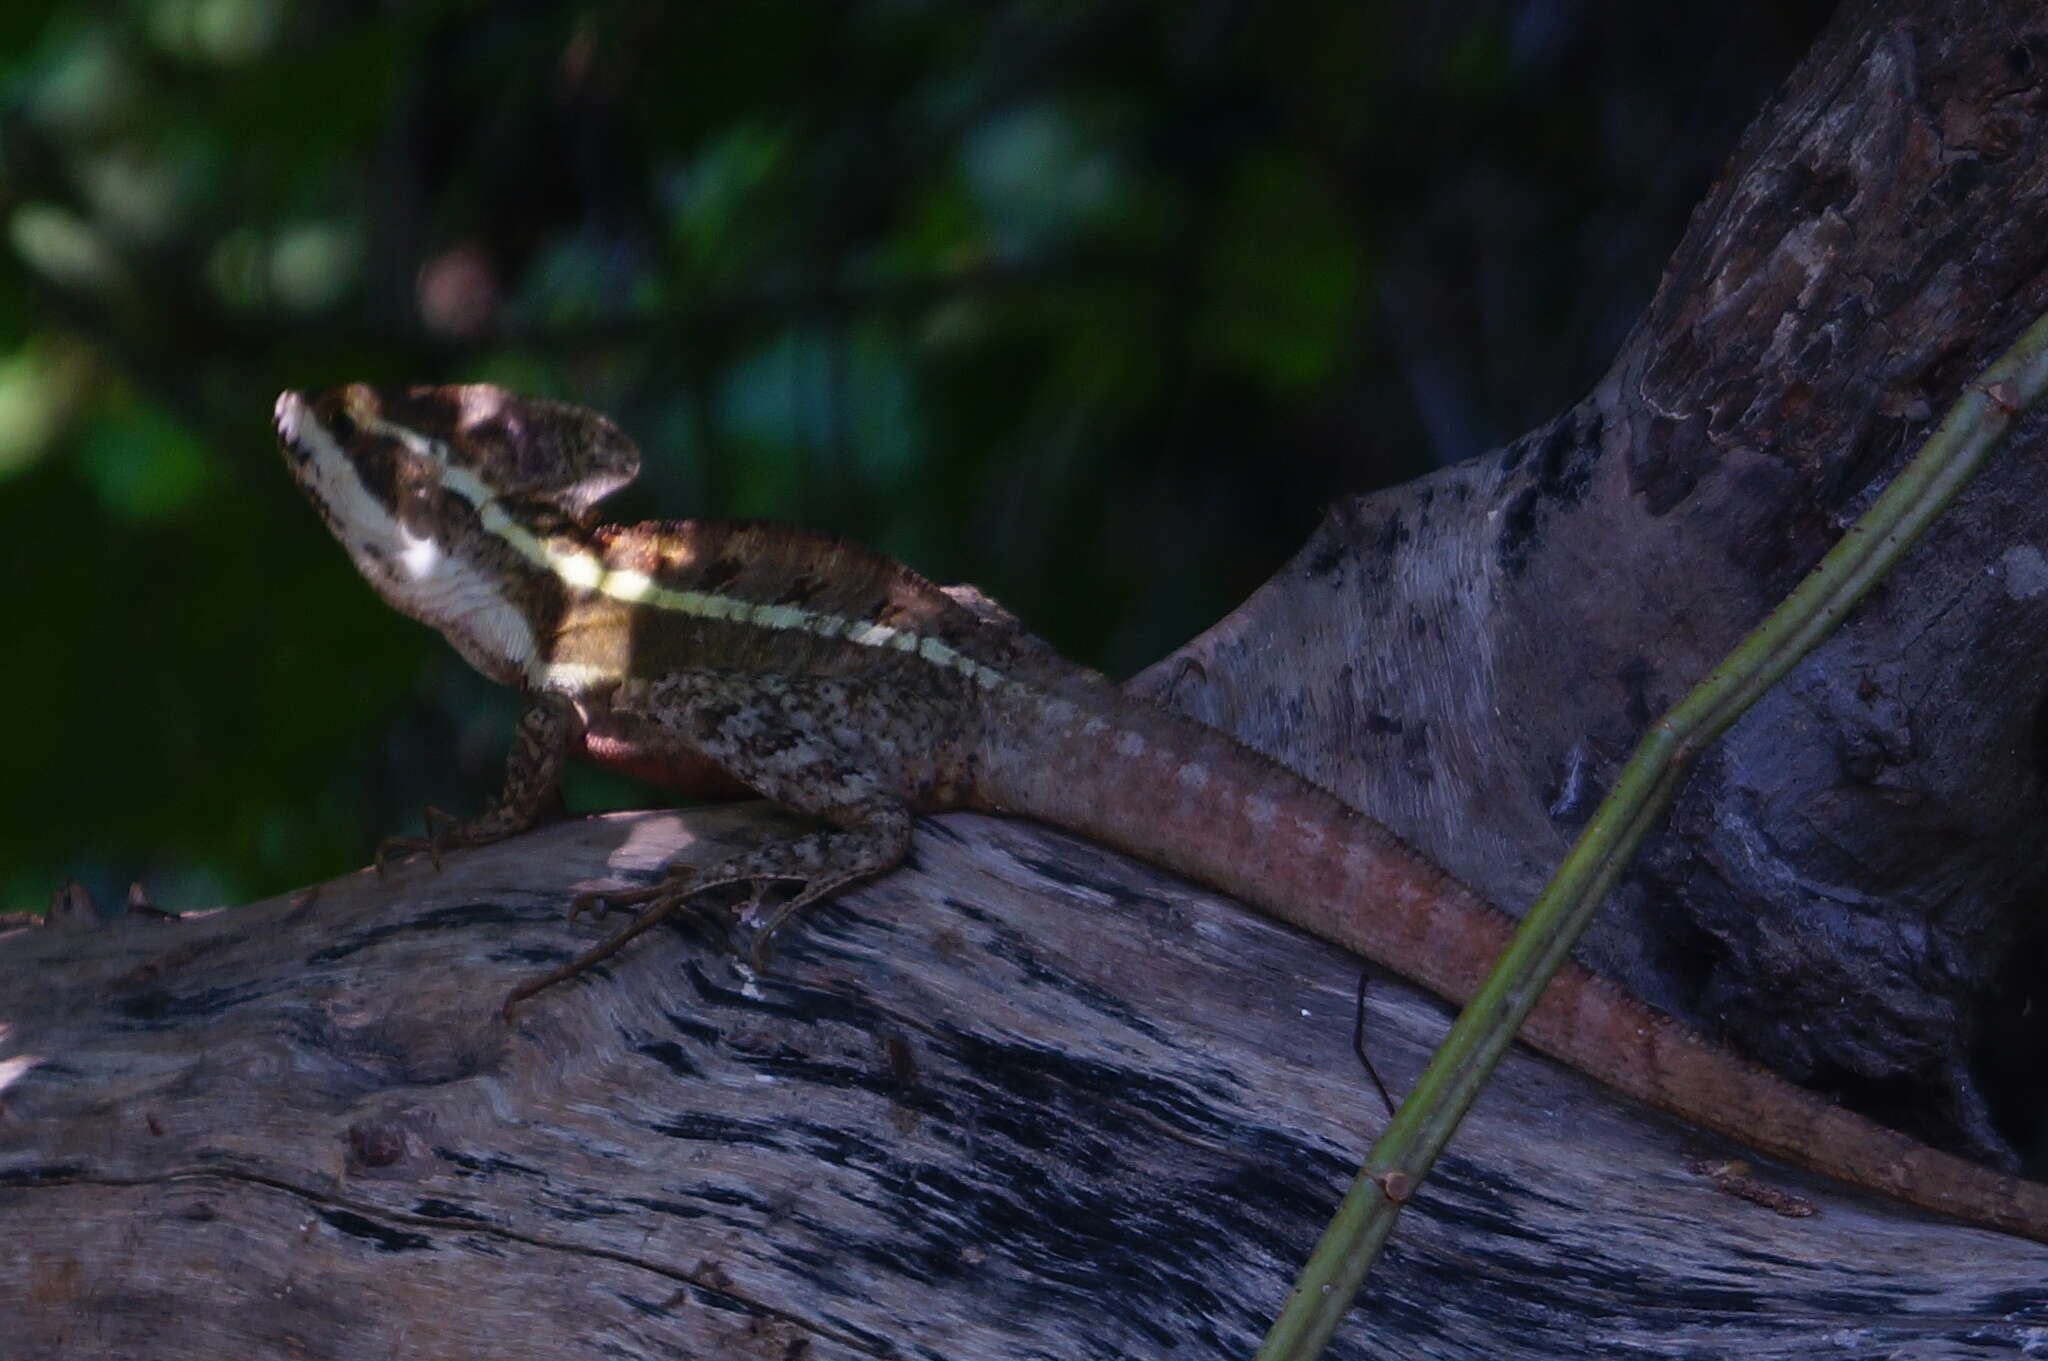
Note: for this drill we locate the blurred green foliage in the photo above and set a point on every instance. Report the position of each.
(1091, 304)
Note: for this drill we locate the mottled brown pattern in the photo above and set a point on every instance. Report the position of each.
(827, 747)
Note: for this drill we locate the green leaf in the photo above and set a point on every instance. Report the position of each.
(1285, 276)
(143, 464)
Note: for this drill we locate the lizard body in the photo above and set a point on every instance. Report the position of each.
(841, 684)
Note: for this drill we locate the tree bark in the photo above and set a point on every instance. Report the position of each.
(1026, 1098)
(1023, 1098)
(1850, 887)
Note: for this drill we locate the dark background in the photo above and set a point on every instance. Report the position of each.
(1093, 305)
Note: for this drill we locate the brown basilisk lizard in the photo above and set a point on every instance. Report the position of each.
(843, 685)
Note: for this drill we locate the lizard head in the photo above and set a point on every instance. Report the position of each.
(456, 502)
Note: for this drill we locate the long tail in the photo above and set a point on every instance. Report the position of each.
(1164, 788)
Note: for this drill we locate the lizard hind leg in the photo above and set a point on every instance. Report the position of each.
(868, 837)
(878, 840)
(833, 747)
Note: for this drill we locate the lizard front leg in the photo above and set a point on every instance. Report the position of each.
(841, 749)
(549, 730)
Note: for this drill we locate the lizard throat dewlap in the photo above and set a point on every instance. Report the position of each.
(418, 572)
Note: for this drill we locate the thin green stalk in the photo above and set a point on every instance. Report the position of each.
(1419, 1130)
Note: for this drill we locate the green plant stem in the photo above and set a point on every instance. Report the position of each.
(1409, 1146)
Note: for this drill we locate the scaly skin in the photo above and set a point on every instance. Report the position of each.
(843, 685)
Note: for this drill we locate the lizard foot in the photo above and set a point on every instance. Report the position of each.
(660, 901)
(532, 791)
(761, 934)
(663, 900)
(443, 833)
(871, 837)
(599, 902)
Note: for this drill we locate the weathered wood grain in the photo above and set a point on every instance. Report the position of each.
(1022, 1099)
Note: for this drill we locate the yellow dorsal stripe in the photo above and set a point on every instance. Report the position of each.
(582, 571)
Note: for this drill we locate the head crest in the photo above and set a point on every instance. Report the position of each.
(522, 448)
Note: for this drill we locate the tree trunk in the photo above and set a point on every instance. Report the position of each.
(1026, 1098)
(1850, 887)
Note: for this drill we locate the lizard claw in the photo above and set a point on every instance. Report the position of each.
(662, 900)
(438, 836)
(676, 893)
(600, 902)
(761, 940)
(396, 848)
(444, 832)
